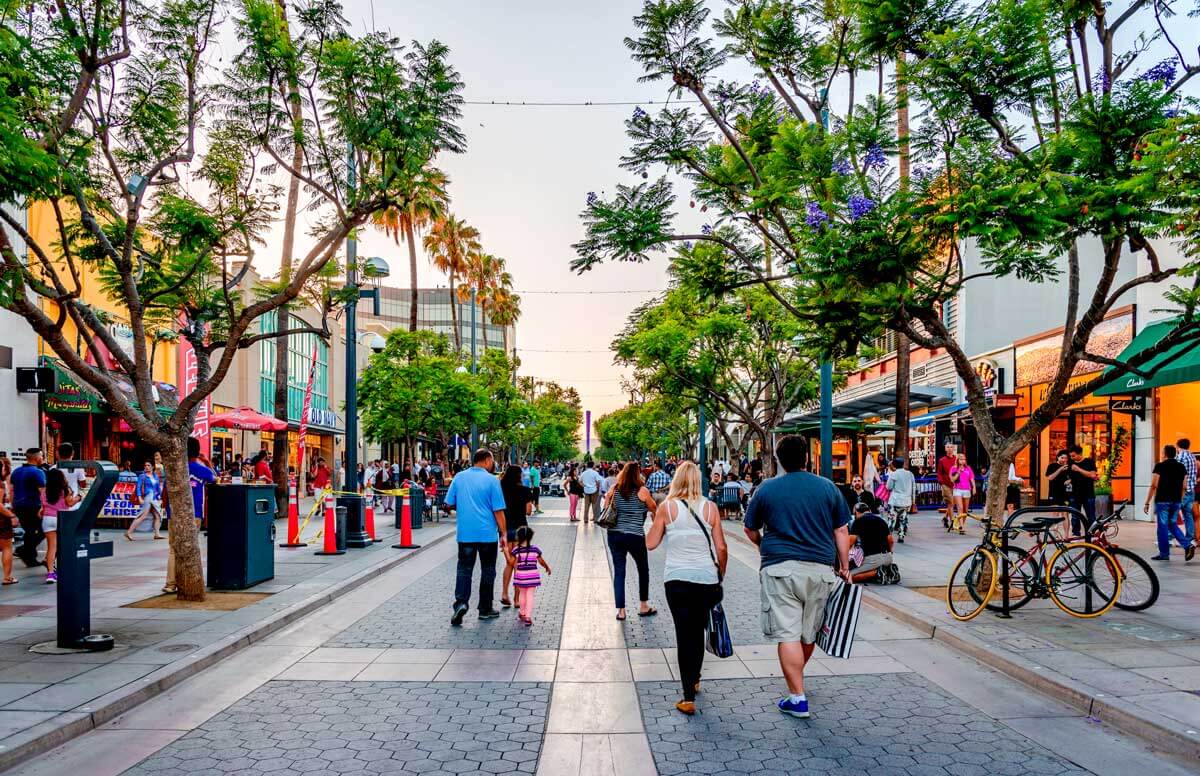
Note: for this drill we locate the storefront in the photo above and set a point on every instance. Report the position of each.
(1090, 423)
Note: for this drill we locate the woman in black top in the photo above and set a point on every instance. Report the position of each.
(632, 501)
(574, 492)
(518, 505)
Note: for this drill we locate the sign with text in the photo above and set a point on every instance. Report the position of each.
(1129, 405)
(36, 379)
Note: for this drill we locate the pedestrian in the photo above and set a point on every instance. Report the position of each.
(262, 468)
(77, 477)
(527, 579)
(574, 493)
(535, 486)
(944, 465)
(321, 476)
(870, 532)
(1012, 492)
(7, 520)
(383, 482)
(149, 494)
(1188, 505)
(1166, 492)
(697, 555)
(901, 488)
(200, 473)
(610, 481)
(592, 481)
(963, 478)
(799, 522)
(1083, 489)
(657, 482)
(58, 496)
(518, 506)
(633, 502)
(475, 496)
(5, 473)
(857, 493)
(1058, 480)
(28, 480)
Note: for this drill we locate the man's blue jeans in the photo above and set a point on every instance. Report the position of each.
(1189, 523)
(1088, 507)
(1166, 511)
(487, 552)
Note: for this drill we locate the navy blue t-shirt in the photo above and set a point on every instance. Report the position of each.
(27, 481)
(797, 514)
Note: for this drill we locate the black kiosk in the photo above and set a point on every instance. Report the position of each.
(75, 552)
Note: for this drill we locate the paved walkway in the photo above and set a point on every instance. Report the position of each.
(346, 691)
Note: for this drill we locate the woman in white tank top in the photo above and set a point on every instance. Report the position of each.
(690, 525)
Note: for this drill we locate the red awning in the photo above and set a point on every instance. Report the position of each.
(247, 419)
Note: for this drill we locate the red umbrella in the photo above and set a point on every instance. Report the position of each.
(248, 420)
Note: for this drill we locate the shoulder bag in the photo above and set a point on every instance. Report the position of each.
(608, 516)
(717, 639)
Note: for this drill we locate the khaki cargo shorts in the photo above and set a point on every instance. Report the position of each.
(793, 600)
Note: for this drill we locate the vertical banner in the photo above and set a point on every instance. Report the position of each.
(312, 370)
(189, 378)
(587, 431)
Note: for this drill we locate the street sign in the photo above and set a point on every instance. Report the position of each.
(36, 379)
(1130, 405)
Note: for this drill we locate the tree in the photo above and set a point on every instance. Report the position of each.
(424, 200)
(551, 430)
(449, 242)
(487, 277)
(505, 309)
(1023, 147)
(100, 122)
(413, 388)
(655, 427)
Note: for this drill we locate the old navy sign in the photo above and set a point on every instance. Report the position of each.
(323, 418)
(1133, 405)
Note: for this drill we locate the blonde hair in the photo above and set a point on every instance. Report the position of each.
(686, 482)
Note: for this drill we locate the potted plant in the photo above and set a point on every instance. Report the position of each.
(1104, 484)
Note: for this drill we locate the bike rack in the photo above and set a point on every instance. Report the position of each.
(1005, 612)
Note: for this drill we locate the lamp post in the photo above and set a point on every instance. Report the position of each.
(474, 370)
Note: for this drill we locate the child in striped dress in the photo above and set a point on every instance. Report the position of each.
(526, 577)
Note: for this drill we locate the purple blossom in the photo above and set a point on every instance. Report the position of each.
(687, 244)
(639, 115)
(1163, 72)
(1172, 113)
(1101, 83)
(816, 217)
(706, 229)
(921, 172)
(875, 158)
(592, 198)
(842, 167)
(859, 206)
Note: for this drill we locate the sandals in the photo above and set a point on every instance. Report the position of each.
(648, 613)
(505, 603)
(170, 589)
(621, 617)
(128, 538)
(11, 581)
(687, 707)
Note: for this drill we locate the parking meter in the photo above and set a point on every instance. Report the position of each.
(75, 552)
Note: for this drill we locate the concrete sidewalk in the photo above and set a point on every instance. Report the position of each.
(1139, 671)
(48, 698)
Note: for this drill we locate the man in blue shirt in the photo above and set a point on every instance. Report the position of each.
(28, 482)
(799, 523)
(476, 498)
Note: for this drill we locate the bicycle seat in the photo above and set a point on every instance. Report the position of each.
(1039, 524)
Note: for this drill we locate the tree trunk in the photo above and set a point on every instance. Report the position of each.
(768, 456)
(279, 468)
(189, 573)
(483, 315)
(412, 272)
(454, 316)
(997, 486)
(903, 382)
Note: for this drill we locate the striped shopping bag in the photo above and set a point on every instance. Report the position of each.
(836, 636)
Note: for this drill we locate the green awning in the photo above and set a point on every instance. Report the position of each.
(1180, 364)
(73, 394)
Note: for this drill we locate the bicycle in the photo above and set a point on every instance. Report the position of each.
(1072, 578)
(1139, 582)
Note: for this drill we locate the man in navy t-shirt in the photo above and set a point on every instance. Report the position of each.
(799, 522)
(28, 482)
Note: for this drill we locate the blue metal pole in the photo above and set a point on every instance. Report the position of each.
(703, 455)
(474, 370)
(826, 367)
(356, 535)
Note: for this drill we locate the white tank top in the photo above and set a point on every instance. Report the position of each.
(688, 556)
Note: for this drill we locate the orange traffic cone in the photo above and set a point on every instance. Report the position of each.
(369, 519)
(293, 524)
(330, 547)
(405, 528)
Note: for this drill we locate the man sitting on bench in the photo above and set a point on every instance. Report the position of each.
(871, 532)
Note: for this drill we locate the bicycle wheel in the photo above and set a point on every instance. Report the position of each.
(972, 583)
(1081, 586)
(1139, 583)
(1024, 573)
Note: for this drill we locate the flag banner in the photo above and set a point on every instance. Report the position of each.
(312, 370)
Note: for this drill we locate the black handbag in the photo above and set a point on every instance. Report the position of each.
(717, 639)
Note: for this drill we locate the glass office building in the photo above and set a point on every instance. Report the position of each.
(434, 314)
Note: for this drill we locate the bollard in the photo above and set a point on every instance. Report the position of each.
(335, 530)
(293, 518)
(369, 519)
(405, 529)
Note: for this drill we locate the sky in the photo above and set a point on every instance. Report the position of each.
(525, 176)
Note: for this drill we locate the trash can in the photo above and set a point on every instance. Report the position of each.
(241, 535)
(416, 496)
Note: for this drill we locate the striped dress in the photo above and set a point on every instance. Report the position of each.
(527, 573)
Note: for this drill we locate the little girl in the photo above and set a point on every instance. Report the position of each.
(57, 496)
(526, 577)
(963, 477)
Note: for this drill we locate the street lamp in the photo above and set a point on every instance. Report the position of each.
(373, 270)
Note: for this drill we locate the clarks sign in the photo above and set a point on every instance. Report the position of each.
(1135, 405)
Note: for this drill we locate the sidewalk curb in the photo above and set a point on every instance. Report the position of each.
(1161, 732)
(69, 725)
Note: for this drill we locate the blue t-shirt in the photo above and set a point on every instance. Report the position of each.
(27, 480)
(198, 475)
(797, 514)
(476, 496)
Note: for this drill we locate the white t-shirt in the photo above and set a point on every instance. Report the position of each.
(591, 481)
(75, 479)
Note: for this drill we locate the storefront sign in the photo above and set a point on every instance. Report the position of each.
(988, 374)
(122, 333)
(1133, 405)
(323, 418)
(1007, 400)
(120, 501)
(36, 379)
(1038, 361)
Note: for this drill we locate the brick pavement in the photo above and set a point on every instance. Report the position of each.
(895, 724)
(325, 728)
(420, 617)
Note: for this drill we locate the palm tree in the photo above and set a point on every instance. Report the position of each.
(506, 311)
(449, 242)
(423, 202)
(485, 274)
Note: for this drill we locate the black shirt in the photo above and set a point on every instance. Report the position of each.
(1060, 487)
(1171, 476)
(872, 533)
(514, 506)
(865, 497)
(1083, 487)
